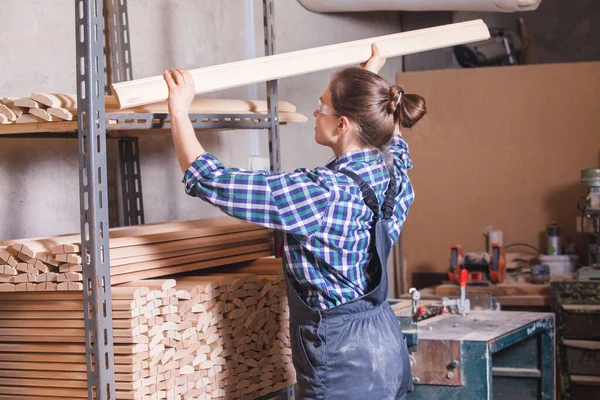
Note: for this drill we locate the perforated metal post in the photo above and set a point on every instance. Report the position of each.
(120, 69)
(272, 99)
(93, 200)
(118, 41)
(131, 181)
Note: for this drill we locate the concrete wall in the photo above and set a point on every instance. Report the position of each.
(38, 178)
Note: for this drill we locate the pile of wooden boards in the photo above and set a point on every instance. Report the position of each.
(50, 107)
(140, 252)
(214, 336)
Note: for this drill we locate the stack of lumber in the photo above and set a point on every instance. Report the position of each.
(51, 107)
(216, 336)
(42, 344)
(140, 252)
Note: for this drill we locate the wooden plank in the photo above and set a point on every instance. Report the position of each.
(209, 245)
(8, 113)
(56, 99)
(35, 358)
(585, 380)
(63, 348)
(26, 102)
(521, 289)
(32, 391)
(175, 245)
(39, 366)
(36, 397)
(121, 293)
(219, 77)
(10, 103)
(66, 114)
(15, 372)
(150, 233)
(186, 267)
(33, 124)
(43, 114)
(582, 344)
(43, 306)
(57, 314)
(28, 119)
(219, 252)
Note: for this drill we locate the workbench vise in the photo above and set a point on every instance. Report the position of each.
(462, 303)
(482, 268)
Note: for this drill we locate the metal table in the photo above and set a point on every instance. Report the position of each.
(485, 355)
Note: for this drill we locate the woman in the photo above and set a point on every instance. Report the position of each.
(340, 223)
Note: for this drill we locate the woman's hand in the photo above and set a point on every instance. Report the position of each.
(375, 62)
(181, 90)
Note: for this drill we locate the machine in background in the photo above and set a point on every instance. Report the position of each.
(482, 269)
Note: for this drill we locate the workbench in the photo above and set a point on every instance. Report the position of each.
(484, 355)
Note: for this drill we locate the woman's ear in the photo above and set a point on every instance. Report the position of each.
(344, 125)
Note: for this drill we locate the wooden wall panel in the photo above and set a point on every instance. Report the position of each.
(500, 146)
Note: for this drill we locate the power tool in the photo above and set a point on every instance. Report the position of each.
(482, 268)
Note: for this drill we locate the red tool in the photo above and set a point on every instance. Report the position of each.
(481, 268)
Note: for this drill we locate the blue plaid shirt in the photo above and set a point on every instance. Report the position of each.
(321, 210)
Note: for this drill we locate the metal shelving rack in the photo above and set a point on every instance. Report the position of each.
(92, 126)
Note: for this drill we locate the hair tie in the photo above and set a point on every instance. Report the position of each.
(399, 98)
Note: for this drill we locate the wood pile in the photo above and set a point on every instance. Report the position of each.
(50, 107)
(140, 252)
(214, 336)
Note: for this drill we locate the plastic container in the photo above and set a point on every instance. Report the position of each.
(560, 265)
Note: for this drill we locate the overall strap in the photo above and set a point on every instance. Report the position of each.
(368, 194)
(370, 197)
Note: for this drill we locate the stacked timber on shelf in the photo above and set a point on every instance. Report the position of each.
(141, 252)
(50, 107)
(216, 336)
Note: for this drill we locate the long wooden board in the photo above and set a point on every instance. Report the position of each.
(149, 233)
(153, 273)
(175, 245)
(219, 77)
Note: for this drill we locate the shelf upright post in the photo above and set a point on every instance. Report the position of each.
(119, 60)
(94, 200)
(272, 100)
(273, 106)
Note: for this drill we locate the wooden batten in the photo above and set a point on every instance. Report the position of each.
(154, 89)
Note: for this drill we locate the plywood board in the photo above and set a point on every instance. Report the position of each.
(487, 153)
(219, 77)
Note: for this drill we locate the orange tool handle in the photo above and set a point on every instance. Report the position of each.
(463, 277)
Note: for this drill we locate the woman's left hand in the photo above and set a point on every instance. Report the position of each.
(181, 90)
(375, 62)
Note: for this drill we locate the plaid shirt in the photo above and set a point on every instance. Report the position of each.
(321, 210)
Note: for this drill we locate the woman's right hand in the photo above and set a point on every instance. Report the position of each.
(181, 90)
(375, 62)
